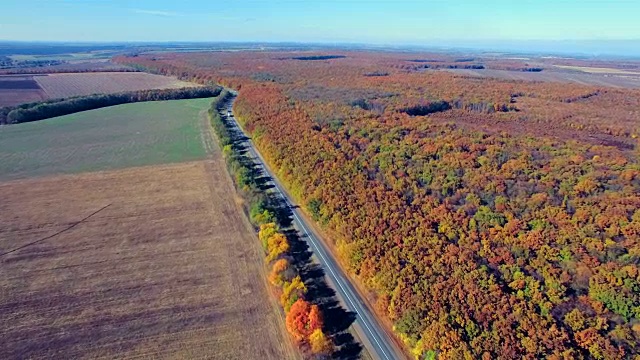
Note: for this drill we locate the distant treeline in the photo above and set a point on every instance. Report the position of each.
(319, 57)
(58, 68)
(58, 107)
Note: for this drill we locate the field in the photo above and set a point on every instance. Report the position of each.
(125, 135)
(614, 79)
(75, 66)
(65, 85)
(598, 70)
(149, 261)
(16, 90)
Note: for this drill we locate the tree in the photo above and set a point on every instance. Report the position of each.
(277, 245)
(266, 231)
(478, 227)
(297, 320)
(319, 342)
(316, 320)
(277, 276)
(292, 292)
(314, 206)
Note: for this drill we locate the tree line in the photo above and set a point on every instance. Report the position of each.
(58, 107)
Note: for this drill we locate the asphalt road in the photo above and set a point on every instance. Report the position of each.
(371, 333)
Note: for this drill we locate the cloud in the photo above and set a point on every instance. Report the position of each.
(156, 12)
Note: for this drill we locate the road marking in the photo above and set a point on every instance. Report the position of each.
(338, 280)
(339, 284)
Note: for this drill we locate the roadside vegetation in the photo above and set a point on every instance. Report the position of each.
(304, 320)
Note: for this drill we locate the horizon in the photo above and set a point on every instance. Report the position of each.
(612, 49)
(464, 23)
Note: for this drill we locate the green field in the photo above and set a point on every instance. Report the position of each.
(108, 138)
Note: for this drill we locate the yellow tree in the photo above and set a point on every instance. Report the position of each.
(319, 342)
(291, 292)
(266, 231)
(277, 244)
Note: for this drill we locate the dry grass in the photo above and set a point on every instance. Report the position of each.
(598, 70)
(79, 84)
(583, 78)
(169, 269)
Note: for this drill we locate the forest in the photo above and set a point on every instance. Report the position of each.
(487, 218)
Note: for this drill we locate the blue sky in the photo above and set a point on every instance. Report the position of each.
(373, 21)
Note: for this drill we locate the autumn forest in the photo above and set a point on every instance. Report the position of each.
(487, 218)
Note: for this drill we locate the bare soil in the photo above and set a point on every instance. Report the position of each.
(152, 261)
(80, 84)
(20, 89)
(12, 97)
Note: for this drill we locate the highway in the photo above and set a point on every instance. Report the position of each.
(371, 334)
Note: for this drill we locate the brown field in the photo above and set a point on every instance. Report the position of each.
(70, 66)
(622, 80)
(78, 84)
(147, 262)
(16, 90)
(20, 89)
(17, 97)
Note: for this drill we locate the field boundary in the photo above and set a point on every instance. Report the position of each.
(59, 107)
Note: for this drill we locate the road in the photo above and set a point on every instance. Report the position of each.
(368, 329)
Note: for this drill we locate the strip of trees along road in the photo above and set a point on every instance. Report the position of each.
(58, 107)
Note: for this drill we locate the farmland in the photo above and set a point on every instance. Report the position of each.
(168, 269)
(129, 261)
(66, 85)
(125, 135)
(19, 89)
(598, 70)
(16, 90)
(614, 78)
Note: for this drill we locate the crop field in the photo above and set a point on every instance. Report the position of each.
(66, 85)
(619, 79)
(150, 261)
(71, 66)
(119, 136)
(16, 90)
(165, 267)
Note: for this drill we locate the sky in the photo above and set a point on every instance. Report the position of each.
(373, 21)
